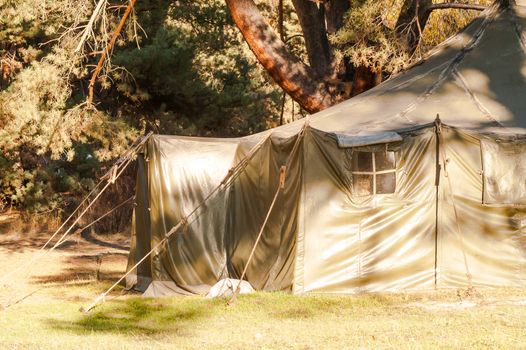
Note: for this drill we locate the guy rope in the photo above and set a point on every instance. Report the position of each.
(281, 186)
(112, 175)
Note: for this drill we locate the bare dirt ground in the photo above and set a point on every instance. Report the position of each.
(82, 259)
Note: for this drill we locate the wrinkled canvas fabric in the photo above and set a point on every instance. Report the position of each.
(455, 217)
(217, 241)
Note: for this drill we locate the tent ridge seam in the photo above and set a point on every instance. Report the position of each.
(461, 81)
(448, 70)
(518, 29)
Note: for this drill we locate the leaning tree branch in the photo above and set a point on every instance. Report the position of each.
(455, 5)
(288, 71)
(414, 15)
(106, 52)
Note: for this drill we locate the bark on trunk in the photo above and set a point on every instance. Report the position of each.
(412, 20)
(365, 79)
(334, 12)
(312, 22)
(289, 72)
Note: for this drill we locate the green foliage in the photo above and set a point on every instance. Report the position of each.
(187, 71)
(24, 22)
(369, 40)
(178, 67)
(197, 74)
(444, 23)
(369, 37)
(263, 320)
(44, 186)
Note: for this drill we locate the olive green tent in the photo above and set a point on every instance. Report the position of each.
(378, 196)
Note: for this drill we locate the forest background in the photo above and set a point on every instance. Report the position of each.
(195, 68)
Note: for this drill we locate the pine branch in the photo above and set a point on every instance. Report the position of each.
(89, 27)
(106, 52)
(455, 5)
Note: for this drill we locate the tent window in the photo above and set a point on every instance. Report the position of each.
(504, 172)
(373, 172)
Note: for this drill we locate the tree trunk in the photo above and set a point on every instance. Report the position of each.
(412, 20)
(334, 13)
(365, 79)
(324, 83)
(289, 72)
(312, 22)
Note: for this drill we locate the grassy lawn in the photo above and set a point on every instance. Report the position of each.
(74, 275)
(494, 319)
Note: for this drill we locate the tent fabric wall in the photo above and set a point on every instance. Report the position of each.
(504, 162)
(322, 237)
(174, 176)
(387, 242)
(140, 239)
(489, 236)
(251, 195)
(180, 175)
(373, 243)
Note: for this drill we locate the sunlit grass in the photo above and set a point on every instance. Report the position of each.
(266, 321)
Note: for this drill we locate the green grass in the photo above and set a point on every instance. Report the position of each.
(266, 321)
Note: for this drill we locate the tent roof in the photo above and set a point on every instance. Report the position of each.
(475, 80)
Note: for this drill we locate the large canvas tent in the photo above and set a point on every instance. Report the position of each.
(380, 195)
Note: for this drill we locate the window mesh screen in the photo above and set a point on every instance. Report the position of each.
(504, 172)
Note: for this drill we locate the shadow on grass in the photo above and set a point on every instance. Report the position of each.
(85, 234)
(110, 267)
(141, 316)
(183, 315)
